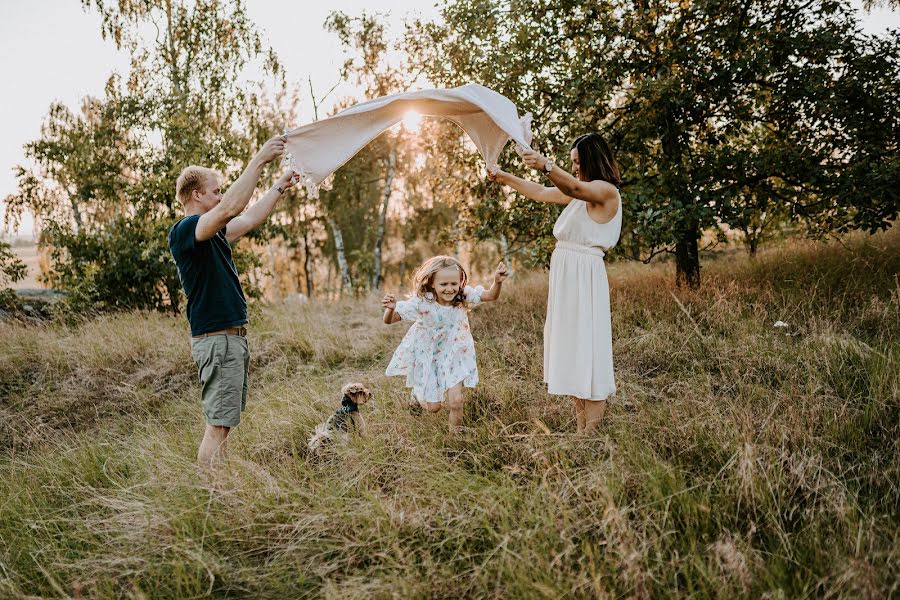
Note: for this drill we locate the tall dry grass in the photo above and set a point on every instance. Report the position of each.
(737, 460)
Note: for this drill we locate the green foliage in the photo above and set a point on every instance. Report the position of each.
(356, 208)
(112, 268)
(353, 204)
(103, 184)
(741, 114)
(722, 113)
(12, 269)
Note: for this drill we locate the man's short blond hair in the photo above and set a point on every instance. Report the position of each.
(194, 178)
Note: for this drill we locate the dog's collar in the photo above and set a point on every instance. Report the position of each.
(348, 406)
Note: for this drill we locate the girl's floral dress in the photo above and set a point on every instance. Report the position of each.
(438, 351)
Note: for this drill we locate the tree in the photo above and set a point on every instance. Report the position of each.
(718, 109)
(103, 185)
(81, 161)
(367, 38)
(12, 269)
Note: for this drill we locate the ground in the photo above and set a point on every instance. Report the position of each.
(737, 460)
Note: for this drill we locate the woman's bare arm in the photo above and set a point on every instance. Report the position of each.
(530, 189)
(593, 192)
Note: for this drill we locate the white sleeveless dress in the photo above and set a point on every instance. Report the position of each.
(578, 358)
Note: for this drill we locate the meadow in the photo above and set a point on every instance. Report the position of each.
(738, 459)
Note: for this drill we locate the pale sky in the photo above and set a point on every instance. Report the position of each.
(51, 50)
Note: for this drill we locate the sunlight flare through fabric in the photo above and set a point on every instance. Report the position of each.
(318, 149)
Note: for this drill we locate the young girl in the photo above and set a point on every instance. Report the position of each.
(438, 354)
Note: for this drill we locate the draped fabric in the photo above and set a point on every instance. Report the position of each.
(319, 149)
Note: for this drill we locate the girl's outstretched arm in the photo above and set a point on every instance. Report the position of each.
(500, 276)
(389, 304)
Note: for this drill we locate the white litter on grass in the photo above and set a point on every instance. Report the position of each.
(780, 324)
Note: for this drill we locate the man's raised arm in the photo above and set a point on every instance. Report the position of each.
(262, 208)
(238, 195)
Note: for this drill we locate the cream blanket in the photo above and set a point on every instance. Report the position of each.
(319, 149)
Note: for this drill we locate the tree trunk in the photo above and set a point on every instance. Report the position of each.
(173, 55)
(76, 214)
(382, 218)
(687, 256)
(504, 245)
(307, 264)
(753, 241)
(687, 251)
(273, 260)
(346, 283)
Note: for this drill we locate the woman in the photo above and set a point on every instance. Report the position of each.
(578, 358)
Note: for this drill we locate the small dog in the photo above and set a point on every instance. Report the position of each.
(346, 419)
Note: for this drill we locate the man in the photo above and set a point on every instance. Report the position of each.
(216, 308)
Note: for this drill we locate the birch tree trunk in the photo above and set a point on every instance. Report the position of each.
(504, 246)
(307, 264)
(346, 283)
(382, 217)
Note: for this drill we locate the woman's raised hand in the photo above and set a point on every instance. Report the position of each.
(533, 159)
(389, 302)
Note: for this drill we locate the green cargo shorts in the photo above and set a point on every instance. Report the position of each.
(224, 364)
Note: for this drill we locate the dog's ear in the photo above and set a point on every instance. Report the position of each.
(362, 396)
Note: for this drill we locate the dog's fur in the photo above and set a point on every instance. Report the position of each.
(346, 419)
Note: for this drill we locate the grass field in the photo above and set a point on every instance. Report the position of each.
(738, 459)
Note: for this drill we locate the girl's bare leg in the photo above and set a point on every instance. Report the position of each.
(455, 403)
(593, 413)
(579, 415)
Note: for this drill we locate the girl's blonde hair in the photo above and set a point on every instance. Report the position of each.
(423, 280)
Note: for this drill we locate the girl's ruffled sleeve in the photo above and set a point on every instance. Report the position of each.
(408, 309)
(473, 295)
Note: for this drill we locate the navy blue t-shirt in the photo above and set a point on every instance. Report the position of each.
(215, 299)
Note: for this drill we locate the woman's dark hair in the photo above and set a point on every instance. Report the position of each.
(596, 159)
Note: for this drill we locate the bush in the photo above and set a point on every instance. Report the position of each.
(11, 270)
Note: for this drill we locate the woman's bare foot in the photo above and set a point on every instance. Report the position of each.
(579, 415)
(593, 415)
